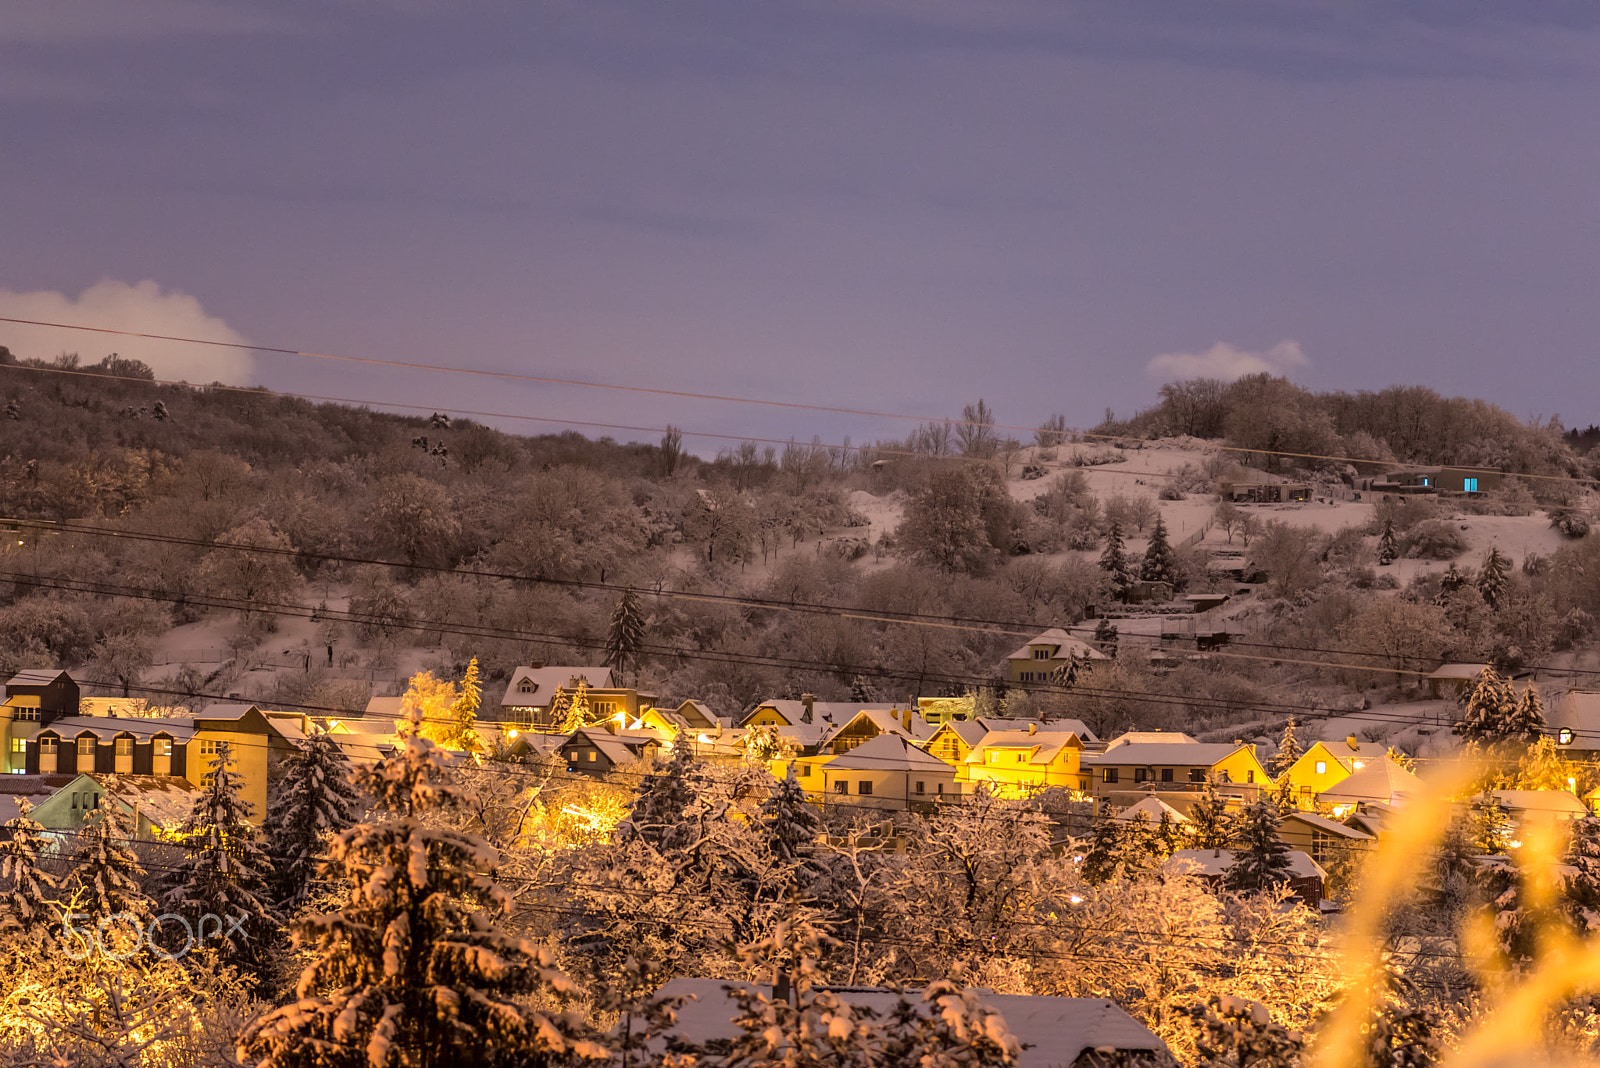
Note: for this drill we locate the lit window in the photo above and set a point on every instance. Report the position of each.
(47, 745)
(1565, 736)
(163, 747)
(86, 746)
(1249, 776)
(124, 747)
(1322, 767)
(19, 745)
(1470, 485)
(1108, 774)
(592, 756)
(864, 789)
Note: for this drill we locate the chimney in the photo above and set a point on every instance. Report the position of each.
(1354, 745)
(1033, 728)
(907, 719)
(809, 700)
(536, 665)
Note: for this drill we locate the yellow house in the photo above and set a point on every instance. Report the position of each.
(1022, 763)
(1323, 839)
(1325, 765)
(869, 723)
(1046, 653)
(1177, 766)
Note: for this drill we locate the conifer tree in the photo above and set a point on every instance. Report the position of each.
(1289, 751)
(626, 635)
(315, 802)
(1103, 859)
(1141, 848)
(414, 968)
(663, 803)
(1261, 858)
(792, 826)
(221, 879)
(1489, 827)
(1114, 561)
(1105, 636)
(1526, 723)
(579, 713)
(1581, 889)
(1169, 833)
(28, 907)
(1388, 544)
(1489, 710)
(1210, 826)
(107, 879)
(1160, 565)
(1492, 578)
(461, 732)
(1451, 581)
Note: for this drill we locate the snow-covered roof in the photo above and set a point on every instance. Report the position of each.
(165, 800)
(36, 677)
(364, 748)
(105, 728)
(1152, 809)
(1218, 861)
(824, 712)
(227, 710)
(545, 681)
(1323, 823)
(1172, 754)
(1362, 751)
(1051, 1031)
(1046, 745)
(888, 752)
(690, 710)
(1381, 780)
(1575, 719)
(888, 721)
(1544, 802)
(970, 731)
(1447, 672)
(1138, 737)
(1064, 645)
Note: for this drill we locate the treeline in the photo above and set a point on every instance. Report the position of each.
(1408, 424)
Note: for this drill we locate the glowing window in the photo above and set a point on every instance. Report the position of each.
(1322, 767)
(124, 747)
(86, 746)
(1470, 485)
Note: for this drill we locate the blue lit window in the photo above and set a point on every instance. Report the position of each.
(1470, 485)
(1426, 481)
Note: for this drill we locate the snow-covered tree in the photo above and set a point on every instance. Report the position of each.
(1490, 709)
(626, 636)
(792, 826)
(315, 802)
(1160, 565)
(413, 968)
(1581, 875)
(1114, 562)
(431, 699)
(1261, 858)
(1388, 544)
(1105, 637)
(220, 881)
(1289, 750)
(1210, 826)
(1492, 578)
(1236, 1033)
(1489, 826)
(1542, 767)
(1526, 723)
(579, 710)
(27, 892)
(1104, 856)
(107, 878)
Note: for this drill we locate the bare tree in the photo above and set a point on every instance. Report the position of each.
(975, 434)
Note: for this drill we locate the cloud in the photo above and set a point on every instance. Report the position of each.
(1228, 362)
(142, 308)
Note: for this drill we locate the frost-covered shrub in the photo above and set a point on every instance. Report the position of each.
(1571, 524)
(1170, 493)
(1433, 539)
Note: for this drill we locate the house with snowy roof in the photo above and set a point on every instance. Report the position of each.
(889, 771)
(1307, 878)
(1021, 763)
(1575, 724)
(1325, 764)
(597, 751)
(1179, 767)
(536, 696)
(1048, 652)
(868, 723)
(1381, 780)
(1052, 1032)
(1133, 737)
(1153, 810)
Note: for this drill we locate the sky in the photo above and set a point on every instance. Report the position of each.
(884, 205)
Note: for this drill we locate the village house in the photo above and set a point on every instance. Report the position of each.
(1021, 763)
(33, 698)
(1052, 1032)
(1306, 877)
(801, 726)
(1575, 725)
(536, 697)
(1048, 652)
(1381, 780)
(1325, 764)
(868, 723)
(152, 806)
(597, 751)
(954, 739)
(1324, 840)
(1131, 767)
(1411, 479)
(888, 771)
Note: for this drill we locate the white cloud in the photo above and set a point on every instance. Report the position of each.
(1228, 362)
(142, 308)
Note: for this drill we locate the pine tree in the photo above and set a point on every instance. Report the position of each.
(1526, 723)
(1451, 581)
(219, 883)
(414, 968)
(1489, 710)
(662, 802)
(1104, 858)
(461, 733)
(1114, 561)
(1210, 826)
(793, 826)
(1289, 751)
(1160, 565)
(315, 803)
(108, 879)
(28, 907)
(1141, 848)
(627, 632)
(1105, 637)
(579, 712)
(1388, 544)
(1261, 859)
(1489, 828)
(1169, 833)
(1492, 578)
(1581, 876)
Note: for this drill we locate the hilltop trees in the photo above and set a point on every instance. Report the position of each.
(960, 520)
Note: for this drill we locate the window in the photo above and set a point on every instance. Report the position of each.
(573, 755)
(30, 715)
(592, 756)
(163, 747)
(1322, 767)
(124, 747)
(1197, 774)
(1041, 654)
(209, 746)
(1564, 736)
(801, 771)
(1166, 774)
(920, 789)
(74, 799)
(1321, 846)
(941, 788)
(1108, 774)
(47, 746)
(1249, 776)
(1470, 485)
(841, 787)
(1138, 775)
(864, 789)
(1022, 758)
(86, 746)
(19, 745)
(1426, 481)
(207, 779)
(526, 686)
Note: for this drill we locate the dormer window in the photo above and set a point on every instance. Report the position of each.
(1041, 653)
(527, 686)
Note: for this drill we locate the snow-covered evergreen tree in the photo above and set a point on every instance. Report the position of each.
(1542, 767)
(1489, 826)
(461, 731)
(1581, 875)
(1103, 859)
(1105, 637)
(579, 713)
(1170, 834)
(1236, 1033)
(1114, 562)
(792, 826)
(1526, 723)
(1490, 709)
(1160, 565)
(1492, 578)
(315, 802)
(28, 904)
(414, 968)
(1261, 858)
(1451, 581)
(1210, 826)
(1289, 751)
(626, 635)
(107, 878)
(1388, 544)
(221, 879)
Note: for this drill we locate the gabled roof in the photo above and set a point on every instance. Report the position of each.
(1136, 737)
(1323, 823)
(698, 714)
(547, 680)
(888, 721)
(888, 752)
(1447, 672)
(1218, 861)
(1152, 809)
(970, 731)
(1044, 746)
(1172, 754)
(36, 677)
(1544, 802)
(1051, 1031)
(824, 712)
(1065, 645)
(165, 800)
(106, 728)
(1382, 780)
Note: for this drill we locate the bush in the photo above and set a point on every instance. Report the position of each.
(1170, 493)
(1433, 539)
(1571, 524)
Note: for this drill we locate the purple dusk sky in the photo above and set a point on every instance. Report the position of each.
(887, 204)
